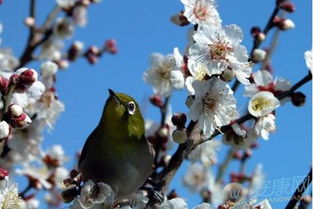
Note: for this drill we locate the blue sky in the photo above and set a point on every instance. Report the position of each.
(143, 27)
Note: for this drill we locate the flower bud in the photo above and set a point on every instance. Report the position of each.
(29, 21)
(75, 50)
(288, 6)
(156, 101)
(298, 99)
(164, 131)
(4, 83)
(28, 77)
(4, 132)
(64, 28)
(258, 55)
(179, 19)
(3, 173)
(179, 120)
(283, 24)
(110, 46)
(237, 155)
(255, 31)
(20, 122)
(189, 100)
(16, 110)
(63, 64)
(69, 195)
(48, 69)
(180, 136)
(260, 37)
(14, 79)
(228, 75)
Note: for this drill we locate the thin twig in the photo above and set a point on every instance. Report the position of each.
(299, 191)
(223, 166)
(257, 43)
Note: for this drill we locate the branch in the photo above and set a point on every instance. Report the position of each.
(224, 165)
(257, 43)
(166, 175)
(299, 191)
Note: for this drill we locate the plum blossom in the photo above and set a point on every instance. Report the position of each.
(28, 89)
(201, 12)
(175, 203)
(309, 59)
(196, 178)
(95, 194)
(217, 49)
(203, 206)
(263, 81)
(63, 28)
(214, 105)
(265, 125)
(7, 59)
(262, 104)
(164, 74)
(206, 152)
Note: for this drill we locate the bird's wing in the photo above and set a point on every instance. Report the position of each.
(85, 148)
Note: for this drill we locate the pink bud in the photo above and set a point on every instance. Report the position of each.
(3, 173)
(298, 99)
(156, 101)
(20, 122)
(4, 83)
(110, 46)
(288, 6)
(28, 77)
(14, 79)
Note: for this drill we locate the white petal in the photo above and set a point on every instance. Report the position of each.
(177, 79)
(234, 33)
(262, 104)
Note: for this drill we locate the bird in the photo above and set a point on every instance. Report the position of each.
(117, 152)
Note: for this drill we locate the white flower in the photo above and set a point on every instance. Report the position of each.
(61, 173)
(7, 60)
(175, 203)
(80, 15)
(30, 95)
(214, 105)
(263, 205)
(201, 12)
(206, 152)
(4, 130)
(217, 49)
(265, 125)
(164, 75)
(51, 50)
(263, 81)
(9, 197)
(257, 180)
(56, 152)
(63, 28)
(94, 194)
(262, 104)
(309, 59)
(196, 178)
(65, 3)
(40, 174)
(203, 206)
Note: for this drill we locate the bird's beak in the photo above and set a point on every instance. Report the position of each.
(114, 96)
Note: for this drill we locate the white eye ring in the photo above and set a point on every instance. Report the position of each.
(131, 107)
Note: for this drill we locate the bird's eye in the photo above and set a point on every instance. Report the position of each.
(131, 107)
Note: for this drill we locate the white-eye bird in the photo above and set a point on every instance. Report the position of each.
(117, 152)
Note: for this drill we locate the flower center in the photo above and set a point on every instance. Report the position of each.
(219, 50)
(200, 11)
(260, 104)
(165, 71)
(209, 102)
